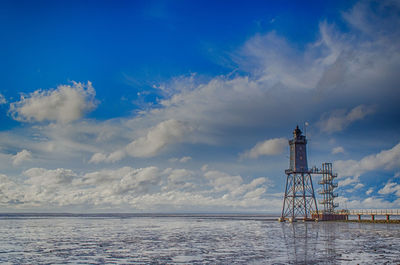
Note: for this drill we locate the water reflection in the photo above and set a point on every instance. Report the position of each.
(310, 243)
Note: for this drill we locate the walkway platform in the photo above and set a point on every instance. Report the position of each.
(344, 214)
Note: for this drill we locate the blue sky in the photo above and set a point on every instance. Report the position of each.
(147, 106)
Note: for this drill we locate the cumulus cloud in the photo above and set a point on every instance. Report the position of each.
(49, 178)
(20, 157)
(179, 179)
(268, 147)
(11, 194)
(64, 104)
(157, 138)
(338, 120)
(234, 187)
(221, 181)
(165, 133)
(338, 150)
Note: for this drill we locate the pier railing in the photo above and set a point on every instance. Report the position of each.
(374, 212)
(365, 212)
(346, 213)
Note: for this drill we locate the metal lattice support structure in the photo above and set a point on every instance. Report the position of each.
(328, 187)
(299, 201)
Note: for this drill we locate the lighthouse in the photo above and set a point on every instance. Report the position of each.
(299, 199)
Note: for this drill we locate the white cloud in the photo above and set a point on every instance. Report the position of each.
(98, 158)
(63, 187)
(386, 159)
(204, 168)
(338, 150)
(369, 191)
(221, 181)
(11, 194)
(113, 157)
(275, 61)
(179, 179)
(255, 193)
(268, 147)
(338, 120)
(49, 178)
(157, 138)
(368, 203)
(178, 175)
(358, 186)
(174, 159)
(348, 181)
(363, 17)
(64, 104)
(20, 157)
(233, 186)
(3, 100)
(390, 188)
(183, 159)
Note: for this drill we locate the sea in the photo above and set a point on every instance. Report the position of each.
(191, 239)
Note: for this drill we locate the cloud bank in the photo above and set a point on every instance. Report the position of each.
(148, 189)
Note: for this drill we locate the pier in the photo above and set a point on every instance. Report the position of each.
(344, 214)
(373, 213)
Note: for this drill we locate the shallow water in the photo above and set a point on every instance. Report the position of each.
(193, 240)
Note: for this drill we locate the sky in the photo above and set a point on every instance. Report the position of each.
(187, 106)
